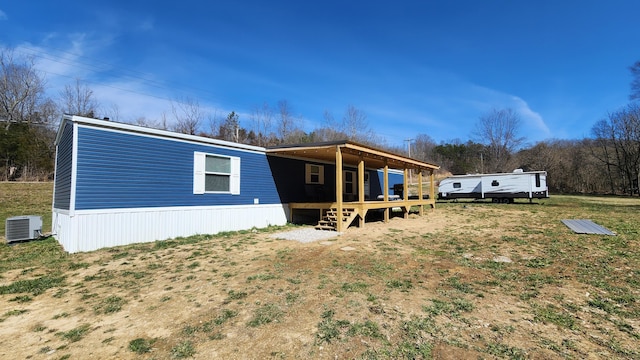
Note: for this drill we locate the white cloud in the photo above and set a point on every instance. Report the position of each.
(63, 66)
(485, 99)
(130, 100)
(532, 119)
(449, 110)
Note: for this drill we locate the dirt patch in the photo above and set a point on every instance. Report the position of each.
(306, 235)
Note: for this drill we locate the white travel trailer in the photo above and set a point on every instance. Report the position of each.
(500, 188)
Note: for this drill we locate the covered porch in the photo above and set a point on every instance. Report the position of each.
(351, 202)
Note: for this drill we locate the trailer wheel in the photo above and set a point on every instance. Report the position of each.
(495, 200)
(505, 200)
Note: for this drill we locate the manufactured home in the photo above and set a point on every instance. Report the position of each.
(500, 188)
(118, 184)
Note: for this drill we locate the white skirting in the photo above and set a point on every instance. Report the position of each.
(89, 230)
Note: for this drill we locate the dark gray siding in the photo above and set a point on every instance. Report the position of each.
(289, 175)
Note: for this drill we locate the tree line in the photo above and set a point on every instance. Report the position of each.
(607, 162)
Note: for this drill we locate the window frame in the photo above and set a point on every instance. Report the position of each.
(200, 173)
(350, 187)
(308, 174)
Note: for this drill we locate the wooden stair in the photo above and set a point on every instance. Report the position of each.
(330, 219)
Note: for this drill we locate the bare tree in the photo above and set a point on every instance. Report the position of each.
(353, 126)
(49, 114)
(619, 140)
(187, 116)
(26, 139)
(21, 90)
(78, 99)
(149, 123)
(286, 120)
(330, 131)
(354, 122)
(601, 148)
(424, 147)
(113, 113)
(214, 120)
(356, 126)
(498, 131)
(262, 119)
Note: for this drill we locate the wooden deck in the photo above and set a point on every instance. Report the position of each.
(362, 208)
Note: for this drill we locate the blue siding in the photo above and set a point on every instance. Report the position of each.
(120, 170)
(64, 161)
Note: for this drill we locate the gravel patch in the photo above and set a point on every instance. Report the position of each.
(306, 235)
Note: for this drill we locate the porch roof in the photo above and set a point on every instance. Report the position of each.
(352, 152)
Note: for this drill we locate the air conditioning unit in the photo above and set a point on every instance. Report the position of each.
(20, 228)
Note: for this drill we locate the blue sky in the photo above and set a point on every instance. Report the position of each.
(413, 67)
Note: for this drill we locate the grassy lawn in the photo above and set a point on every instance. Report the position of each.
(468, 280)
(17, 199)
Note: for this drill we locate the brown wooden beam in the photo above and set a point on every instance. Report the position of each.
(432, 189)
(385, 191)
(361, 189)
(339, 188)
(405, 193)
(420, 192)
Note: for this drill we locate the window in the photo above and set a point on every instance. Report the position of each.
(538, 180)
(495, 183)
(349, 186)
(216, 174)
(314, 174)
(457, 185)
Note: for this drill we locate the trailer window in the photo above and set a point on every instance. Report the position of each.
(457, 185)
(537, 180)
(495, 183)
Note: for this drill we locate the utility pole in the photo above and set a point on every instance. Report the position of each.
(409, 145)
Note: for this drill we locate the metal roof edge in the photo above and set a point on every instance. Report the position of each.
(151, 131)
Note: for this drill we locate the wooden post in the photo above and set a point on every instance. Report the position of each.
(420, 193)
(385, 190)
(432, 189)
(405, 193)
(362, 211)
(339, 189)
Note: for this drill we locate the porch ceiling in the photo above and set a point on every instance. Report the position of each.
(351, 154)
